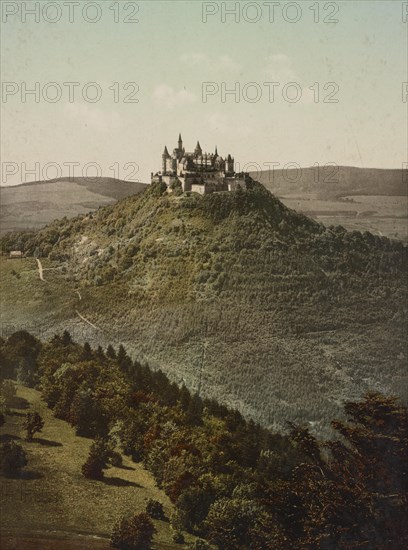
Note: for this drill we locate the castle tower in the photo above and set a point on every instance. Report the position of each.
(165, 156)
(180, 143)
(198, 151)
(230, 164)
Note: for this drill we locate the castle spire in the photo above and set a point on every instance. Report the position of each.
(216, 151)
(198, 149)
(180, 142)
(165, 152)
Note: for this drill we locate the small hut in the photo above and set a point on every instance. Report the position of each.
(16, 254)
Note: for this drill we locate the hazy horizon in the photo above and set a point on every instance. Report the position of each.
(181, 61)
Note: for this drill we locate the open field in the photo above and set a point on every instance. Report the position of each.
(381, 215)
(361, 199)
(52, 505)
(34, 205)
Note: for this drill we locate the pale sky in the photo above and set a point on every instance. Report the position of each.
(170, 53)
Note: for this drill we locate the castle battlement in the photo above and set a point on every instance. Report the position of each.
(198, 171)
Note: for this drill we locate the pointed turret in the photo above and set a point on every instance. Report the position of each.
(198, 150)
(180, 143)
(165, 156)
(216, 151)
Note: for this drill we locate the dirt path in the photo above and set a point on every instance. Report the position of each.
(87, 321)
(40, 270)
(41, 275)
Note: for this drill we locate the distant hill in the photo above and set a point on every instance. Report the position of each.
(359, 199)
(336, 181)
(35, 204)
(233, 293)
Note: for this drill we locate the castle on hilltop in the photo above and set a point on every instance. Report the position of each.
(198, 171)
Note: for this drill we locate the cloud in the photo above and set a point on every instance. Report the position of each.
(278, 68)
(170, 97)
(93, 117)
(223, 63)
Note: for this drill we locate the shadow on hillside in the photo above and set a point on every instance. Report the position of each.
(16, 413)
(8, 437)
(47, 442)
(118, 482)
(18, 403)
(24, 475)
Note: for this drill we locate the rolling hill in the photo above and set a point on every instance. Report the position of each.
(35, 204)
(362, 199)
(336, 181)
(233, 294)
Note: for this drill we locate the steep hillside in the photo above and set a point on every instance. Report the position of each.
(51, 505)
(35, 204)
(233, 293)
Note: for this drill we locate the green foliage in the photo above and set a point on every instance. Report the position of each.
(176, 188)
(155, 509)
(200, 544)
(178, 537)
(157, 189)
(183, 278)
(7, 392)
(229, 522)
(20, 358)
(233, 482)
(97, 460)
(133, 533)
(115, 459)
(12, 458)
(33, 423)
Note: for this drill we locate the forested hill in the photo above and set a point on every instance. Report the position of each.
(239, 297)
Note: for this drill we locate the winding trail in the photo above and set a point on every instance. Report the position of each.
(40, 269)
(87, 321)
(41, 275)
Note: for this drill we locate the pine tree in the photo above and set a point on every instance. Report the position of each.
(110, 352)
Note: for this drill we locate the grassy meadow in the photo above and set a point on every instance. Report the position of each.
(52, 505)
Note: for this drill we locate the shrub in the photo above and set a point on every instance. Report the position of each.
(133, 533)
(155, 509)
(96, 461)
(12, 458)
(8, 391)
(178, 537)
(115, 459)
(200, 544)
(33, 424)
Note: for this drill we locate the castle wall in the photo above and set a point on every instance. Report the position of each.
(198, 188)
(169, 165)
